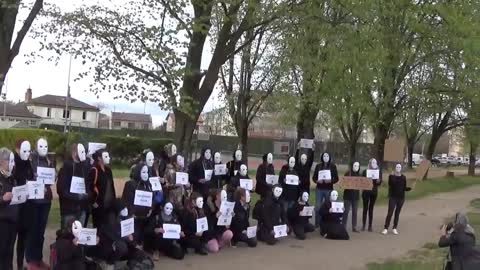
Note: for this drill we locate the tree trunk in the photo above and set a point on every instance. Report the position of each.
(472, 161)
(352, 152)
(184, 128)
(381, 135)
(432, 144)
(410, 148)
(243, 136)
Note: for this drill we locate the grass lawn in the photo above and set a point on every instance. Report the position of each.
(430, 257)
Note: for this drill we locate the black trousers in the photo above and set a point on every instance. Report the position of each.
(300, 230)
(102, 216)
(369, 198)
(7, 242)
(22, 232)
(394, 205)
(193, 242)
(265, 235)
(240, 237)
(170, 247)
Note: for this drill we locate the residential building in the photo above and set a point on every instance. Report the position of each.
(104, 121)
(131, 121)
(18, 116)
(170, 120)
(53, 110)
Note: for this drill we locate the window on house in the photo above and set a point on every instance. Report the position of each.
(66, 114)
(146, 126)
(84, 116)
(131, 125)
(33, 122)
(49, 112)
(117, 124)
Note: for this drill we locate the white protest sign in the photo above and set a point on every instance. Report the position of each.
(252, 232)
(220, 169)
(94, 147)
(373, 174)
(307, 211)
(280, 231)
(324, 175)
(226, 208)
(172, 231)
(181, 178)
(19, 195)
(87, 237)
(202, 224)
(306, 143)
(46, 175)
(155, 182)
(36, 190)
(143, 198)
(235, 172)
(224, 220)
(208, 175)
(246, 184)
(337, 207)
(127, 227)
(291, 179)
(77, 185)
(271, 179)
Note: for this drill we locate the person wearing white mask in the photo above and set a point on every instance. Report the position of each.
(332, 221)
(8, 213)
(324, 187)
(167, 156)
(303, 166)
(40, 209)
(197, 240)
(70, 254)
(241, 218)
(300, 224)
(233, 166)
(74, 205)
(222, 234)
(235, 182)
(351, 198)
(218, 181)
(269, 213)
(104, 194)
(397, 186)
(264, 169)
(369, 197)
(291, 191)
(155, 231)
(201, 171)
(175, 194)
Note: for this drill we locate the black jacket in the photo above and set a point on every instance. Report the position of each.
(110, 233)
(272, 214)
(71, 203)
(351, 194)
(461, 250)
(294, 214)
(303, 171)
(7, 212)
(128, 197)
(290, 192)
(376, 183)
(235, 183)
(190, 224)
(38, 161)
(69, 256)
(156, 221)
(261, 187)
(397, 185)
(233, 166)
(197, 172)
(325, 166)
(23, 171)
(218, 181)
(103, 187)
(241, 219)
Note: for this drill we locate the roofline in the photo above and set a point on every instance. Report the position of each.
(93, 109)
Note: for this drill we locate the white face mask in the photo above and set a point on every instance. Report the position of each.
(277, 192)
(25, 150)
(238, 155)
(149, 157)
(180, 161)
(218, 158)
(208, 154)
(243, 170)
(270, 158)
(326, 158)
(82, 156)
(11, 163)
(356, 167)
(291, 162)
(124, 212)
(199, 202)
(334, 196)
(106, 158)
(174, 150)
(144, 173)
(304, 197)
(168, 209)
(374, 164)
(303, 159)
(76, 228)
(398, 168)
(248, 197)
(223, 195)
(42, 147)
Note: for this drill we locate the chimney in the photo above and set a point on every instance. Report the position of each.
(28, 95)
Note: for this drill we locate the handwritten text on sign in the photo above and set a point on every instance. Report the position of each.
(356, 183)
(127, 227)
(46, 175)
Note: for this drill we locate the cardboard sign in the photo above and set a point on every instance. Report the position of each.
(271, 179)
(77, 185)
(94, 147)
(224, 220)
(422, 169)
(36, 190)
(181, 178)
(226, 208)
(394, 150)
(87, 237)
(221, 169)
(280, 231)
(127, 227)
(292, 180)
(356, 183)
(373, 174)
(337, 207)
(46, 175)
(306, 143)
(172, 231)
(143, 198)
(19, 195)
(324, 175)
(155, 183)
(307, 211)
(208, 175)
(246, 184)
(202, 224)
(252, 232)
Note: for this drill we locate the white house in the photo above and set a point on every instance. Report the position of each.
(53, 111)
(131, 121)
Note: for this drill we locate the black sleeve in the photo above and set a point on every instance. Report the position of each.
(310, 157)
(260, 176)
(334, 174)
(192, 173)
(446, 241)
(65, 181)
(297, 157)
(128, 195)
(315, 174)
(151, 226)
(390, 184)
(282, 175)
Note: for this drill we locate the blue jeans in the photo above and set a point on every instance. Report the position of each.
(80, 216)
(321, 196)
(35, 235)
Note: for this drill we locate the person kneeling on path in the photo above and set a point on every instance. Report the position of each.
(193, 238)
(332, 226)
(222, 233)
(298, 221)
(270, 213)
(241, 219)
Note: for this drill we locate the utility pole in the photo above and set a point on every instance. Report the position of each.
(68, 96)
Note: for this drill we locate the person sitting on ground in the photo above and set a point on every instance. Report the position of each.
(175, 193)
(299, 222)
(241, 218)
(222, 233)
(332, 226)
(194, 210)
(269, 213)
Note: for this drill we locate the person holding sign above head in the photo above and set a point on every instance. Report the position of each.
(165, 231)
(8, 212)
(201, 171)
(303, 166)
(290, 183)
(104, 194)
(270, 213)
(397, 186)
(233, 166)
(197, 233)
(351, 198)
(219, 178)
(262, 187)
(219, 220)
(175, 192)
(325, 176)
(240, 180)
(299, 215)
(241, 219)
(369, 197)
(332, 219)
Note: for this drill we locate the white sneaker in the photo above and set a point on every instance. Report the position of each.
(385, 232)
(395, 231)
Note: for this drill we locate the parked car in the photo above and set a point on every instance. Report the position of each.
(416, 159)
(452, 161)
(435, 162)
(466, 161)
(459, 161)
(443, 160)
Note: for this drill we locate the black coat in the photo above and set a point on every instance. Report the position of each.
(38, 161)
(261, 187)
(290, 192)
(351, 194)
(272, 214)
(128, 197)
(196, 172)
(71, 203)
(69, 256)
(241, 219)
(7, 212)
(23, 171)
(294, 214)
(376, 183)
(235, 183)
(102, 180)
(332, 223)
(156, 221)
(190, 224)
(303, 171)
(218, 181)
(325, 166)
(461, 250)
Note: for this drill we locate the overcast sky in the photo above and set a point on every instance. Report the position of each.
(47, 78)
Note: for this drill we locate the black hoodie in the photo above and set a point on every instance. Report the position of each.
(325, 166)
(71, 203)
(303, 171)
(294, 214)
(273, 213)
(262, 187)
(233, 166)
(23, 171)
(235, 183)
(351, 194)
(196, 172)
(240, 221)
(129, 190)
(38, 161)
(290, 192)
(7, 212)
